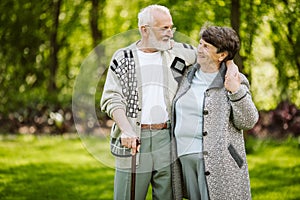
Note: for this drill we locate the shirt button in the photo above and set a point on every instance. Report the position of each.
(207, 173)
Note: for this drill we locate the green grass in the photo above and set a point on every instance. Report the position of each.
(61, 168)
(274, 168)
(55, 168)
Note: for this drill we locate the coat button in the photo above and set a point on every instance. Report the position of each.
(138, 123)
(206, 173)
(205, 133)
(205, 153)
(205, 112)
(139, 109)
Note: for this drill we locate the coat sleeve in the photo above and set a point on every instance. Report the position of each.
(112, 96)
(244, 112)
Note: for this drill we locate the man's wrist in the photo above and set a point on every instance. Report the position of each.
(234, 91)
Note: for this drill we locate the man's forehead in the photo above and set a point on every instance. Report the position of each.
(162, 19)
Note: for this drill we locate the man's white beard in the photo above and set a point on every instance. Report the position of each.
(160, 45)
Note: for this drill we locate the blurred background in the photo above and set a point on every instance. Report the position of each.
(43, 44)
(51, 75)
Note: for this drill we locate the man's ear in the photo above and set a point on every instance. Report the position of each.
(144, 31)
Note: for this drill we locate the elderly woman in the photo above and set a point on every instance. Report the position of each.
(210, 112)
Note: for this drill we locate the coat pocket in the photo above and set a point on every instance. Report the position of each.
(235, 155)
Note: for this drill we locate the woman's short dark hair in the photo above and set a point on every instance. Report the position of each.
(223, 38)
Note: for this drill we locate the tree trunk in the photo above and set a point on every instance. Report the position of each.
(235, 23)
(97, 8)
(54, 46)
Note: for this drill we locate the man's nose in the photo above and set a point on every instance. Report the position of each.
(170, 33)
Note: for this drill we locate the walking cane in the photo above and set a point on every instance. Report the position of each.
(133, 171)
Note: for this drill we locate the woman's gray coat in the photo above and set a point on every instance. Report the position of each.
(225, 116)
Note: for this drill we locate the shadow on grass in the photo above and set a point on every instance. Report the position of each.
(57, 181)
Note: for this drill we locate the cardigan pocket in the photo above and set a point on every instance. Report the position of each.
(116, 148)
(235, 155)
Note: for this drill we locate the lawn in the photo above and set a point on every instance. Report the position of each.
(274, 169)
(56, 168)
(65, 168)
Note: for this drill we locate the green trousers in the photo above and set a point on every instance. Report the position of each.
(154, 168)
(193, 176)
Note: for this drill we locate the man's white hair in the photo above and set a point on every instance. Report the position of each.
(145, 16)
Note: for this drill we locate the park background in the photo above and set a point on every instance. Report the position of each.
(44, 46)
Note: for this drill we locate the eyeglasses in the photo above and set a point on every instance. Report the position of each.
(163, 29)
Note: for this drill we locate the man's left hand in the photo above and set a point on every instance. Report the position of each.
(232, 78)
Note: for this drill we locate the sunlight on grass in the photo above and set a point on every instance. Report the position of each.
(99, 148)
(275, 170)
(60, 167)
(53, 167)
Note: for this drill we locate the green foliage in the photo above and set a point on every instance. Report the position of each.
(285, 38)
(27, 30)
(21, 49)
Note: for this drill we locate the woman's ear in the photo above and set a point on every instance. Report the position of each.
(223, 55)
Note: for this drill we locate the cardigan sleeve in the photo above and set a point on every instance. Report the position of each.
(112, 96)
(244, 111)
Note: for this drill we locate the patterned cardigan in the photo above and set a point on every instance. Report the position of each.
(225, 117)
(123, 89)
